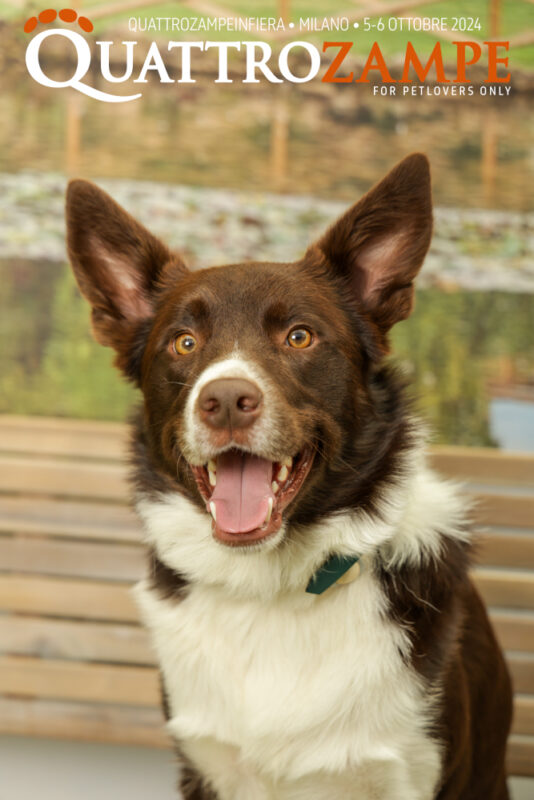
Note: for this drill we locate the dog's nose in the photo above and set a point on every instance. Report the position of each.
(230, 403)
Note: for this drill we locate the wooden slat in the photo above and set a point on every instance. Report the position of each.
(512, 511)
(28, 554)
(100, 600)
(522, 671)
(42, 475)
(515, 631)
(62, 639)
(68, 437)
(141, 725)
(512, 589)
(124, 562)
(83, 722)
(68, 519)
(144, 726)
(64, 680)
(136, 686)
(67, 598)
(523, 723)
(520, 759)
(505, 550)
(26, 635)
(484, 464)
(63, 437)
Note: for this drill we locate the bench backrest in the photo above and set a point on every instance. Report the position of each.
(74, 662)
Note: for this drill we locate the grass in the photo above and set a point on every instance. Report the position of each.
(515, 17)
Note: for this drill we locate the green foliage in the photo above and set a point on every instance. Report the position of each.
(452, 347)
(515, 17)
(75, 377)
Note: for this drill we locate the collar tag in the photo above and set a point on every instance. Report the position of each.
(334, 570)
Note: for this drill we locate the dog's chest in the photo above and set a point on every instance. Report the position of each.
(298, 687)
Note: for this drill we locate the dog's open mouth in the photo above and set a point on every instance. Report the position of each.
(246, 494)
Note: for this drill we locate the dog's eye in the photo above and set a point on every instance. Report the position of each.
(299, 338)
(184, 344)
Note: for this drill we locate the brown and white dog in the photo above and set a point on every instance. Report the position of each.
(274, 451)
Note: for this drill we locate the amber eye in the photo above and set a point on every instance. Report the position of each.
(299, 338)
(184, 344)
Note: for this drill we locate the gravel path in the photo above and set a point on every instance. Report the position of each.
(483, 250)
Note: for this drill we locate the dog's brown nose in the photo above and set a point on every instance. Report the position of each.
(230, 403)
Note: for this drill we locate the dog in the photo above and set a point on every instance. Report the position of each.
(308, 594)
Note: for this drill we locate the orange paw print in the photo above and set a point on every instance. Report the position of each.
(65, 15)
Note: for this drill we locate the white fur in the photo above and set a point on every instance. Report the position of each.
(276, 694)
(414, 515)
(300, 691)
(198, 446)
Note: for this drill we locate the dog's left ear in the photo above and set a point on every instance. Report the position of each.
(377, 247)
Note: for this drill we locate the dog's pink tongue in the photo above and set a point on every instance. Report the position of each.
(242, 492)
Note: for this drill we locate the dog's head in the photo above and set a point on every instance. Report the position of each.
(265, 399)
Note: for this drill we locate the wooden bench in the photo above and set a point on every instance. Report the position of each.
(74, 662)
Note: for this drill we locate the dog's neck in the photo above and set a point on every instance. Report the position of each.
(401, 530)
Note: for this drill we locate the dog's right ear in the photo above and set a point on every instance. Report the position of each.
(117, 264)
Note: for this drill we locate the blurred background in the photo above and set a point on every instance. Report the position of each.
(226, 173)
(230, 172)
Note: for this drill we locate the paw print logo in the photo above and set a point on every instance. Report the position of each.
(83, 54)
(65, 15)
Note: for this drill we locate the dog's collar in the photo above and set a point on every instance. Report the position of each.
(336, 569)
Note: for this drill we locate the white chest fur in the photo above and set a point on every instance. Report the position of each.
(299, 697)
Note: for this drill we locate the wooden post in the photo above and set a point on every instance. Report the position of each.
(279, 145)
(72, 134)
(489, 158)
(489, 130)
(494, 18)
(279, 149)
(284, 10)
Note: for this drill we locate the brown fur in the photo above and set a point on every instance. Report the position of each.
(455, 651)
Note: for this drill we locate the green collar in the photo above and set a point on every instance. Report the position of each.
(330, 572)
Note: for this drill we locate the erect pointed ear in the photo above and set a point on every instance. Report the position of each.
(117, 264)
(377, 247)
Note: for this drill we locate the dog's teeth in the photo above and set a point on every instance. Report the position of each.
(212, 477)
(212, 466)
(282, 474)
(274, 487)
(287, 462)
(269, 512)
(213, 511)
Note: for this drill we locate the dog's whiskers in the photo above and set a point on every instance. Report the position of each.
(338, 458)
(180, 458)
(178, 383)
